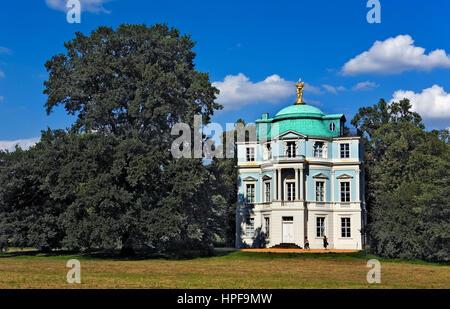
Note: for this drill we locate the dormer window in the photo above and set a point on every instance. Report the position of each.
(290, 150)
(332, 127)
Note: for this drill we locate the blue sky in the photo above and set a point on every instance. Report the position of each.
(254, 52)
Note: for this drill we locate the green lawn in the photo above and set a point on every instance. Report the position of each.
(234, 270)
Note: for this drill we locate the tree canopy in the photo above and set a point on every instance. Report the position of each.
(408, 181)
(135, 77)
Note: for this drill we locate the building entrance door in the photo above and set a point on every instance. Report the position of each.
(288, 232)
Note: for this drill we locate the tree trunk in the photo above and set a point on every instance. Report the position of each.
(127, 247)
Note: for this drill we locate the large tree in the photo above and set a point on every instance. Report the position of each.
(130, 86)
(111, 181)
(407, 183)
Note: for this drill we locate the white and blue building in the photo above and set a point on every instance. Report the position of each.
(301, 177)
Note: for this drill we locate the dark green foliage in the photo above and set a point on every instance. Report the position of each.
(369, 119)
(136, 77)
(110, 181)
(27, 216)
(224, 171)
(408, 184)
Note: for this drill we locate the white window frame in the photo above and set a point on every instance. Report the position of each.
(323, 181)
(267, 195)
(323, 227)
(250, 227)
(250, 154)
(267, 226)
(246, 192)
(324, 153)
(349, 150)
(346, 227)
(291, 149)
(349, 190)
(289, 182)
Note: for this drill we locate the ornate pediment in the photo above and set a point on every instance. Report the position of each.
(344, 176)
(321, 176)
(290, 135)
(267, 177)
(250, 178)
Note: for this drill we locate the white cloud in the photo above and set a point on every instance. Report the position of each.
(22, 143)
(396, 55)
(4, 50)
(238, 90)
(312, 89)
(365, 86)
(433, 102)
(333, 89)
(94, 6)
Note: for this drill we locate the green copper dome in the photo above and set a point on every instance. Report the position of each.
(300, 117)
(299, 111)
(304, 119)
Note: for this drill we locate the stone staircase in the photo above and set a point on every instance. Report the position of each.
(286, 246)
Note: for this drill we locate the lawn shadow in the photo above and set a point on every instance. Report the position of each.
(225, 253)
(115, 255)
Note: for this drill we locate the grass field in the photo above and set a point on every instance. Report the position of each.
(233, 270)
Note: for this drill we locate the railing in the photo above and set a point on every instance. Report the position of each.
(288, 157)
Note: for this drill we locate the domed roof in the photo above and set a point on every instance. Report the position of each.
(304, 119)
(299, 110)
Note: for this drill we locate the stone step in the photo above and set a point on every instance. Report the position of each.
(286, 246)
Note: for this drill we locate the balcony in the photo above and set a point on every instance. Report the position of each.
(286, 158)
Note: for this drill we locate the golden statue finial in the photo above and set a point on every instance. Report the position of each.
(300, 86)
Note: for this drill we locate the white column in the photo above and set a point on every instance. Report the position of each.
(275, 192)
(302, 197)
(306, 188)
(279, 185)
(260, 187)
(296, 185)
(332, 186)
(357, 185)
